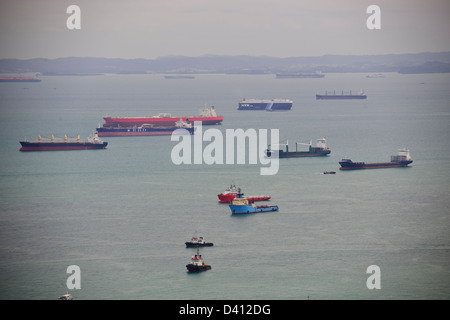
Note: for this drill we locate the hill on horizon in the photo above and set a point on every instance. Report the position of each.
(427, 62)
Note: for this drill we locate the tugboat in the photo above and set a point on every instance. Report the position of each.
(242, 205)
(198, 242)
(197, 264)
(66, 296)
(232, 192)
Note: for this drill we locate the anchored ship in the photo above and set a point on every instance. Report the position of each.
(241, 205)
(147, 130)
(55, 144)
(342, 96)
(265, 104)
(197, 264)
(320, 150)
(179, 77)
(19, 79)
(232, 192)
(198, 242)
(207, 116)
(299, 75)
(401, 160)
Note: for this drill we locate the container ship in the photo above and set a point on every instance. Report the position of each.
(55, 144)
(401, 160)
(299, 75)
(265, 104)
(19, 79)
(232, 192)
(207, 116)
(147, 130)
(320, 150)
(342, 96)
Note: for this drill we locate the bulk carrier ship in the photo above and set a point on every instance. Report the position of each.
(342, 96)
(55, 144)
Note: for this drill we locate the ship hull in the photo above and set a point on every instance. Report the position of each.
(340, 97)
(378, 165)
(244, 209)
(265, 106)
(299, 75)
(20, 80)
(195, 245)
(303, 154)
(224, 198)
(299, 154)
(137, 122)
(194, 268)
(152, 131)
(59, 146)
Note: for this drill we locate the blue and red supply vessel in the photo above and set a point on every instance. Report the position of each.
(401, 160)
(55, 144)
(241, 205)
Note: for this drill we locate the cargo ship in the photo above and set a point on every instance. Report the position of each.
(265, 104)
(299, 75)
(232, 192)
(207, 116)
(197, 264)
(19, 79)
(147, 130)
(342, 96)
(401, 160)
(55, 144)
(179, 77)
(320, 150)
(241, 205)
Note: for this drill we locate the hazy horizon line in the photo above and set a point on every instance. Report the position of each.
(238, 55)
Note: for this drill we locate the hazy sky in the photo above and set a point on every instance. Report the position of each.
(280, 28)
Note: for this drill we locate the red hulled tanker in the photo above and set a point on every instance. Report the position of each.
(207, 116)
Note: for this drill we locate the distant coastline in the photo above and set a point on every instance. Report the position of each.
(427, 62)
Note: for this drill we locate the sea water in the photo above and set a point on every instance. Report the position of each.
(122, 214)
